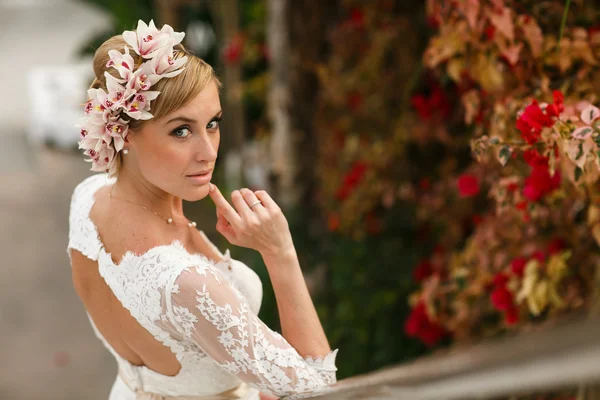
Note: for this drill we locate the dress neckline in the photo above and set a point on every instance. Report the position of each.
(174, 244)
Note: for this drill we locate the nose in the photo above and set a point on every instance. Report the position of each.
(206, 149)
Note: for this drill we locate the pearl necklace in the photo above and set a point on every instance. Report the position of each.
(190, 224)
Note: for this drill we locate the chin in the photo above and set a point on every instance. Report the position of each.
(196, 193)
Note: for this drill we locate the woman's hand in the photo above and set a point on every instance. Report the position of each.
(256, 222)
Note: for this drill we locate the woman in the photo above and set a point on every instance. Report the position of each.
(179, 316)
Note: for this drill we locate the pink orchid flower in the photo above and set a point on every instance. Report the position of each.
(138, 106)
(122, 62)
(165, 66)
(103, 132)
(146, 40)
(143, 78)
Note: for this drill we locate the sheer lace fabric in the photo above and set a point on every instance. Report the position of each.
(204, 311)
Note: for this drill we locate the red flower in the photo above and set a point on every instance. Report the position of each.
(512, 187)
(434, 21)
(432, 334)
(423, 271)
(357, 17)
(502, 298)
(539, 183)
(420, 325)
(532, 192)
(333, 222)
(468, 185)
(556, 245)
(233, 51)
(439, 102)
(419, 102)
(351, 180)
(511, 317)
(355, 101)
(534, 159)
(490, 32)
(594, 30)
(531, 122)
(522, 205)
(500, 279)
(436, 104)
(416, 320)
(517, 266)
(540, 256)
(555, 109)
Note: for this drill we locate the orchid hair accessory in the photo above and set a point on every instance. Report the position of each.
(107, 115)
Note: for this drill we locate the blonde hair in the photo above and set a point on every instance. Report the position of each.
(174, 92)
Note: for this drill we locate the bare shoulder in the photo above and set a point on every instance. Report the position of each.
(124, 227)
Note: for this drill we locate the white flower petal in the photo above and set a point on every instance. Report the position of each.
(130, 38)
(590, 114)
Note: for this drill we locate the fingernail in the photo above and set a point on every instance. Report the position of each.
(211, 187)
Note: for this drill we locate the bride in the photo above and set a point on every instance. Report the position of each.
(179, 316)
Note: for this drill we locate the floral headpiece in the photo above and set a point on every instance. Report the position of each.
(103, 131)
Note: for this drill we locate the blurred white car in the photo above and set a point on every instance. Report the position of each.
(58, 94)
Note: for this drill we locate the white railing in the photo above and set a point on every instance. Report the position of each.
(564, 356)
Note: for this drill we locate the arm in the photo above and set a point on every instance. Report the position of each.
(261, 225)
(300, 323)
(202, 306)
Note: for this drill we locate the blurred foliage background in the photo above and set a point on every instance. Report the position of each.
(392, 105)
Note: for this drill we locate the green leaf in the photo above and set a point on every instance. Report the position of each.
(504, 154)
(563, 22)
(580, 152)
(578, 173)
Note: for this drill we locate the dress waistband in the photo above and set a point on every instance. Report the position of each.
(238, 392)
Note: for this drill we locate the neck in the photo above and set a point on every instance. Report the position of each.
(135, 188)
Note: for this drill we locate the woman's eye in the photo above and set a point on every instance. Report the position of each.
(214, 124)
(182, 132)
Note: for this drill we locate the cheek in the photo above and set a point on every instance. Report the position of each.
(216, 140)
(160, 157)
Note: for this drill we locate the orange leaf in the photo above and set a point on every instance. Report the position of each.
(533, 35)
(471, 10)
(503, 22)
(512, 53)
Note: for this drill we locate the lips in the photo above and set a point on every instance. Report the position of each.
(201, 173)
(201, 178)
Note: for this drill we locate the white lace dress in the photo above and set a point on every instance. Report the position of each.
(204, 311)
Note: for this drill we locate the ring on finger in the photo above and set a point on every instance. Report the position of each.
(257, 202)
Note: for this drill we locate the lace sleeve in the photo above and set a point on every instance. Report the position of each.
(205, 308)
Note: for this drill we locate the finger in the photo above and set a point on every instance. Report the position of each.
(241, 206)
(267, 201)
(225, 229)
(223, 205)
(251, 199)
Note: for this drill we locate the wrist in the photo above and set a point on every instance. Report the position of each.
(280, 257)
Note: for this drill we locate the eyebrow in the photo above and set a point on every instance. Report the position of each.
(191, 120)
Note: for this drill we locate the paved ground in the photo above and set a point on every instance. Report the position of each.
(47, 348)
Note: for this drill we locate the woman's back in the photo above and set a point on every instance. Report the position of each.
(177, 322)
(121, 227)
